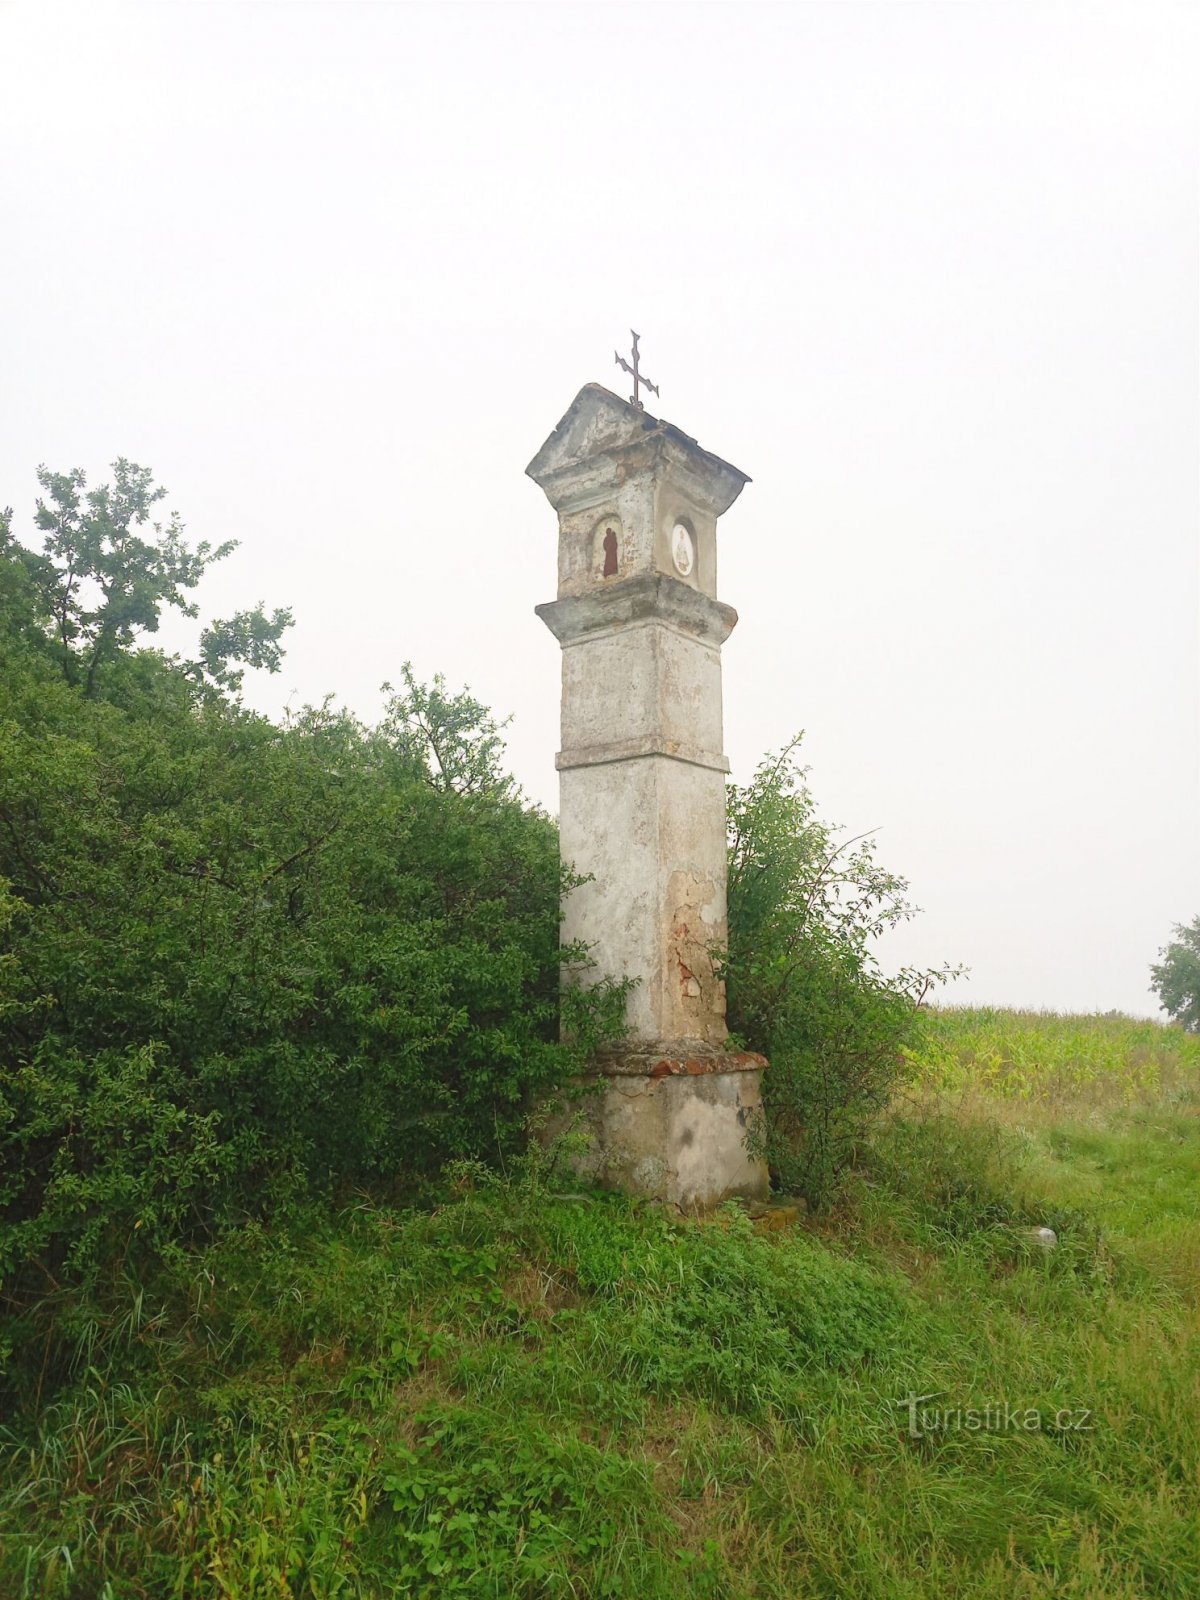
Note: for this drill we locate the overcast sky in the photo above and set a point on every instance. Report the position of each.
(927, 272)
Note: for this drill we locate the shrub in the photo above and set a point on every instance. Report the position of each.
(804, 984)
(241, 963)
(99, 1156)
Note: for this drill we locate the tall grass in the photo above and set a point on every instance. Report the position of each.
(519, 1394)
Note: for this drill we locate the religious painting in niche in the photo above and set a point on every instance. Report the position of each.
(683, 550)
(607, 544)
(610, 553)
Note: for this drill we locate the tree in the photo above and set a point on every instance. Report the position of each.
(22, 603)
(1176, 978)
(452, 740)
(100, 582)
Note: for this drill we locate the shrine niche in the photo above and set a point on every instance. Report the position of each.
(607, 548)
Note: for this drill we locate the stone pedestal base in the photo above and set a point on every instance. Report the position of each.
(669, 1122)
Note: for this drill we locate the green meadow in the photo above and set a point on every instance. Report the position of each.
(526, 1391)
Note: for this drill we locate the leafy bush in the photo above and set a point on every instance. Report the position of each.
(92, 1151)
(239, 962)
(804, 984)
(343, 973)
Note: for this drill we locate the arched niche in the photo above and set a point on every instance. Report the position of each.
(607, 554)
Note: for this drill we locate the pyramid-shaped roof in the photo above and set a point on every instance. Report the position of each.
(600, 427)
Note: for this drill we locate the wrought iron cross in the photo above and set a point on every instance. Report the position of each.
(638, 381)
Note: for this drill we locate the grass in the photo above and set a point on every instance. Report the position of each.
(519, 1394)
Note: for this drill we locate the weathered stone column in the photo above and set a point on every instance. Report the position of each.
(642, 788)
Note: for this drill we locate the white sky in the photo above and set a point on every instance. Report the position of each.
(927, 272)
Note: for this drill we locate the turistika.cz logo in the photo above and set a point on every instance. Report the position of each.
(995, 1416)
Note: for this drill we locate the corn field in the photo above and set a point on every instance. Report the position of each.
(1048, 1056)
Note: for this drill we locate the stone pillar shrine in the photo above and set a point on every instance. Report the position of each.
(642, 790)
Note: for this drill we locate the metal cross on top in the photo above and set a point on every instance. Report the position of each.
(638, 380)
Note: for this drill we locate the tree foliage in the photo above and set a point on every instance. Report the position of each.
(804, 983)
(1176, 978)
(244, 963)
(107, 570)
(345, 972)
(453, 739)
